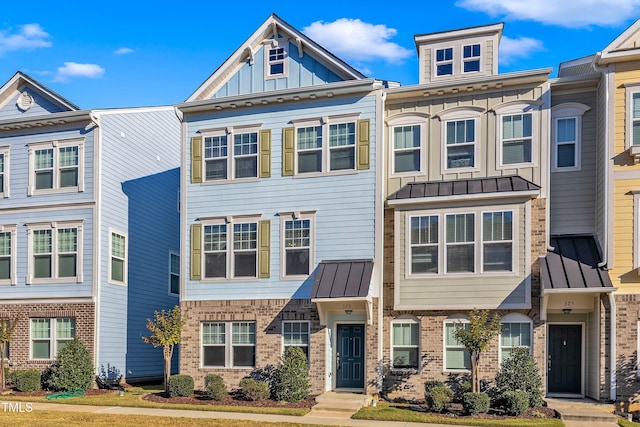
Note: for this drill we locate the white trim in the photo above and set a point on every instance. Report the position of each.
(229, 133)
(453, 118)
(53, 339)
(276, 43)
(55, 145)
(5, 151)
(312, 243)
(13, 257)
(582, 358)
(567, 110)
(434, 54)
(515, 318)
(411, 320)
(229, 222)
(479, 58)
(452, 319)
(636, 231)
(630, 91)
(406, 122)
(53, 226)
(171, 273)
(228, 345)
(308, 346)
(125, 260)
(519, 107)
(463, 197)
(334, 367)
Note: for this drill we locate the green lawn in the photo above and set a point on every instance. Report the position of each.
(625, 423)
(133, 398)
(386, 412)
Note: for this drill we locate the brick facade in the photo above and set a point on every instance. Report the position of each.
(628, 383)
(411, 384)
(19, 348)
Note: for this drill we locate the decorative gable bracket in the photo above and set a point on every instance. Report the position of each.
(634, 151)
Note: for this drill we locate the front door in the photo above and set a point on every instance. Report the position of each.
(564, 360)
(350, 356)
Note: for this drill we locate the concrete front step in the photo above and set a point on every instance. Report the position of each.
(338, 405)
(586, 415)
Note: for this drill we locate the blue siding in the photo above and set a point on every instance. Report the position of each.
(138, 147)
(154, 232)
(41, 105)
(344, 204)
(305, 71)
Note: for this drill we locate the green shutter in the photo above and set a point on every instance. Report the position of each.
(265, 153)
(364, 153)
(196, 159)
(288, 151)
(264, 255)
(196, 251)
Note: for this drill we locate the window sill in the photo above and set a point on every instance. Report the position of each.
(325, 174)
(55, 191)
(405, 370)
(53, 281)
(460, 275)
(229, 367)
(114, 282)
(566, 169)
(229, 181)
(457, 371)
(517, 166)
(469, 169)
(299, 277)
(406, 174)
(228, 279)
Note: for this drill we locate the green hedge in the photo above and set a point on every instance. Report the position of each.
(438, 398)
(214, 387)
(180, 385)
(27, 380)
(475, 403)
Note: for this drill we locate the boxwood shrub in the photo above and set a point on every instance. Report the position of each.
(180, 385)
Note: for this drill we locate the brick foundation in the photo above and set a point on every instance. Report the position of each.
(19, 347)
(628, 383)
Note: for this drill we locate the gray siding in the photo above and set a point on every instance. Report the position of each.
(573, 193)
(602, 161)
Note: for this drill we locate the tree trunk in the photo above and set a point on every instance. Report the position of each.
(475, 378)
(167, 368)
(3, 380)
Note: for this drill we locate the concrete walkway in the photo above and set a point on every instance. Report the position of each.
(277, 419)
(584, 412)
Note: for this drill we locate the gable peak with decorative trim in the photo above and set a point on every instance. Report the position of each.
(276, 56)
(625, 47)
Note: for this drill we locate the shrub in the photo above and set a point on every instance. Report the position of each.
(26, 380)
(438, 398)
(515, 402)
(180, 385)
(520, 373)
(73, 368)
(428, 385)
(291, 379)
(475, 403)
(109, 378)
(214, 387)
(254, 390)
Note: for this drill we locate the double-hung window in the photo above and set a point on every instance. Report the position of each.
(444, 61)
(174, 274)
(297, 246)
(456, 357)
(633, 115)
(497, 241)
(325, 145)
(471, 58)
(55, 252)
(406, 148)
(8, 259)
(515, 331)
(118, 264)
(424, 244)
(460, 143)
(230, 248)
(296, 334)
(517, 124)
(55, 166)
(567, 135)
(405, 344)
(228, 344)
(49, 336)
(276, 59)
(4, 172)
(231, 153)
(460, 242)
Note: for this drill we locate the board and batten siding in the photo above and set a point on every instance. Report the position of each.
(487, 139)
(137, 146)
(480, 290)
(250, 78)
(572, 201)
(344, 204)
(41, 105)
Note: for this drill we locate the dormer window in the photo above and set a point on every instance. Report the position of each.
(444, 61)
(275, 59)
(471, 58)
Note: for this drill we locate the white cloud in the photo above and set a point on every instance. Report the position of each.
(352, 39)
(564, 13)
(73, 69)
(123, 51)
(26, 37)
(522, 47)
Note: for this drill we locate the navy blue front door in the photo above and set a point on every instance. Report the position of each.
(350, 356)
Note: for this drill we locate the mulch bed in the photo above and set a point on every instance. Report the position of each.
(41, 393)
(455, 410)
(199, 398)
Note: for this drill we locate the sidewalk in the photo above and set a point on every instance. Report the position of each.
(277, 419)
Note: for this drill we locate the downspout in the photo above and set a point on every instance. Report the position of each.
(612, 301)
(380, 155)
(97, 255)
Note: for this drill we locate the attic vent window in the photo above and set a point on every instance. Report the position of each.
(276, 61)
(25, 101)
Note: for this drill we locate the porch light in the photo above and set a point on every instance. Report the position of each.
(348, 311)
(566, 310)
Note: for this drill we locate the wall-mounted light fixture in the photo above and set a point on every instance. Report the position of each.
(348, 311)
(566, 310)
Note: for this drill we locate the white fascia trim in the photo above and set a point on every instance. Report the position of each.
(462, 307)
(456, 198)
(463, 32)
(343, 299)
(579, 291)
(132, 110)
(53, 300)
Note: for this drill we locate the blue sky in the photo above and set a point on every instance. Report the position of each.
(139, 53)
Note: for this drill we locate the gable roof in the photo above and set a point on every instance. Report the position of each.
(19, 79)
(274, 25)
(626, 46)
(573, 264)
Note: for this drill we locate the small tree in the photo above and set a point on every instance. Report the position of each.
(476, 338)
(7, 327)
(291, 378)
(166, 332)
